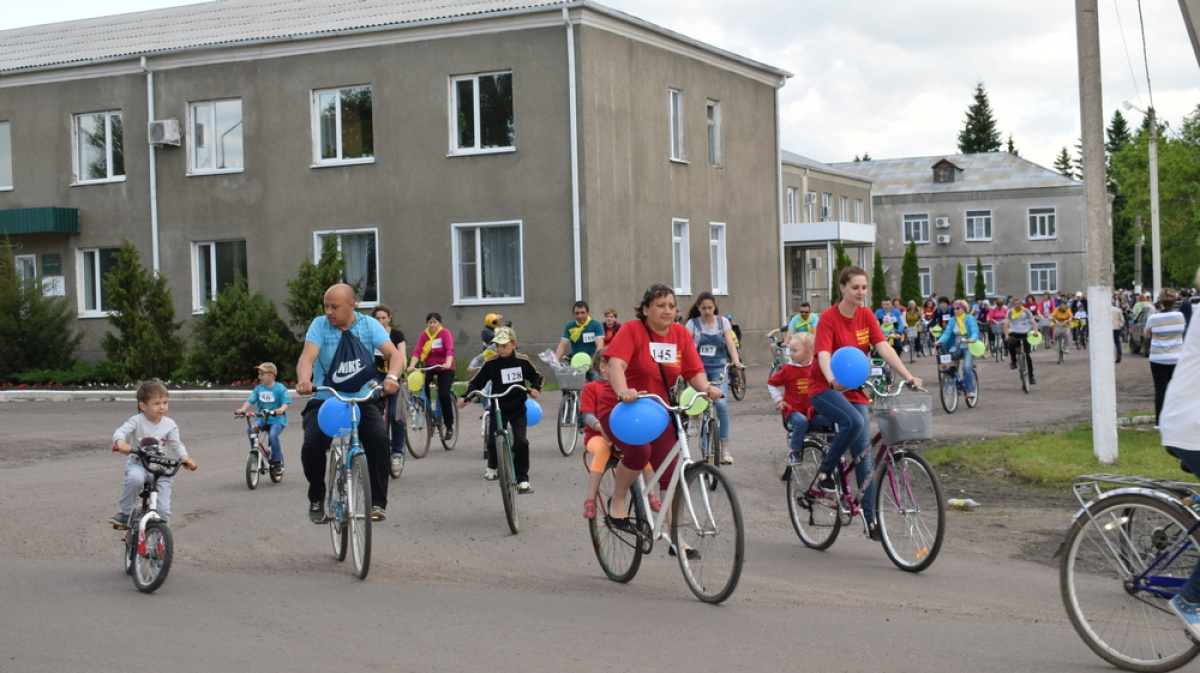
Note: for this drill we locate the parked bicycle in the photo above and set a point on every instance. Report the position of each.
(348, 489)
(149, 546)
(909, 510)
(426, 416)
(504, 455)
(705, 532)
(258, 462)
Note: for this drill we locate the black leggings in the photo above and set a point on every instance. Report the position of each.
(1162, 376)
(445, 385)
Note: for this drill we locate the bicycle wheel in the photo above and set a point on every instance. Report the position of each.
(712, 435)
(252, 465)
(617, 550)
(448, 443)
(358, 504)
(1107, 558)
(737, 383)
(707, 518)
(151, 567)
(910, 511)
(418, 431)
(949, 390)
(1023, 368)
(508, 482)
(568, 422)
(336, 507)
(275, 478)
(814, 513)
(1061, 343)
(974, 402)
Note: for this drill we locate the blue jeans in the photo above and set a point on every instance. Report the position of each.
(723, 403)
(968, 360)
(800, 423)
(275, 430)
(1190, 591)
(854, 434)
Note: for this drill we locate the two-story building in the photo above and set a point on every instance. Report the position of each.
(506, 157)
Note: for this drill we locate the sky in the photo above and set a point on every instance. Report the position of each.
(894, 79)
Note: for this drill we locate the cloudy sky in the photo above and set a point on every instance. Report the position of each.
(894, 79)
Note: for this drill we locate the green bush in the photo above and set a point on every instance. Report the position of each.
(145, 345)
(36, 331)
(237, 331)
(306, 292)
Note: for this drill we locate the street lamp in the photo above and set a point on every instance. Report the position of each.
(1155, 249)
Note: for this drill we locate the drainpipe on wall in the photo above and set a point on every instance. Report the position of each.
(783, 283)
(153, 167)
(571, 95)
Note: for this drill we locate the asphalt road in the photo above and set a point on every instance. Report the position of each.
(255, 586)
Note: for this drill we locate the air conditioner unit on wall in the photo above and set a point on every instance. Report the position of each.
(164, 132)
(942, 223)
(943, 240)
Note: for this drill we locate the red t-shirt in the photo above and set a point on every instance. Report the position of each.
(860, 331)
(676, 352)
(795, 380)
(598, 398)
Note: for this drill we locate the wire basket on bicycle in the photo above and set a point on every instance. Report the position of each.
(904, 418)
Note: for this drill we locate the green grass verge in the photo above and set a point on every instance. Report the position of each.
(1052, 460)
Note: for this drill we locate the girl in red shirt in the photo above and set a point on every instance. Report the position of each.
(596, 401)
(850, 323)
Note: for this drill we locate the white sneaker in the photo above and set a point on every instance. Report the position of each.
(1188, 612)
(524, 487)
(490, 474)
(726, 459)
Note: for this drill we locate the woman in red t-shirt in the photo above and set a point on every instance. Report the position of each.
(648, 355)
(850, 323)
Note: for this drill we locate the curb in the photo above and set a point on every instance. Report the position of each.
(122, 395)
(1135, 420)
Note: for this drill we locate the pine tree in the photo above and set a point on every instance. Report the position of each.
(36, 331)
(910, 275)
(980, 284)
(145, 345)
(1118, 133)
(960, 283)
(878, 281)
(1011, 148)
(841, 260)
(306, 292)
(1064, 165)
(1125, 232)
(979, 133)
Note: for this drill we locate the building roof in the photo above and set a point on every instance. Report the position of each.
(793, 159)
(988, 171)
(221, 23)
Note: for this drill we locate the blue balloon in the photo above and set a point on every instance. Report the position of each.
(850, 366)
(334, 417)
(533, 413)
(640, 422)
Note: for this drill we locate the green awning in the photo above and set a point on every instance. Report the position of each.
(50, 220)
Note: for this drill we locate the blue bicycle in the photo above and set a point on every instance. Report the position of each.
(425, 416)
(952, 383)
(348, 491)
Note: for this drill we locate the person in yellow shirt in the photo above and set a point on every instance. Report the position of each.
(1060, 320)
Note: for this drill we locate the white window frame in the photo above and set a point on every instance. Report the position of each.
(205, 111)
(315, 105)
(973, 220)
(921, 219)
(108, 148)
(675, 115)
(989, 277)
(26, 266)
(717, 252)
(826, 207)
(457, 260)
(198, 298)
(713, 113)
(858, 211)
(925, 279)
(793, 209)
(810, 204)
(97, 283)
(681, 258)
(1037, 283)
(843, 209)
(455, 148)
(318, 245)
(6, 155)
(1045, 220)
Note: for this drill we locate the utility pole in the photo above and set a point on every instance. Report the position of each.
(1137, 256)
(1098, 228)
(1155, 246)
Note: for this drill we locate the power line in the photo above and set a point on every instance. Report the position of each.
(1145, 58)
(1125, 44)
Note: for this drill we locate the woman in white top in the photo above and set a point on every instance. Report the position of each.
(713, 335)
(1165, 332)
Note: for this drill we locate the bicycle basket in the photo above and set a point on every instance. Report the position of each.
(571, 378)
(904, 418)
(911, 332)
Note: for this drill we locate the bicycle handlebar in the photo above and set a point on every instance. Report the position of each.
(375, 388)
(172, 465)
(899, 388)
(677, 408)
(430, 368)
(480, 393)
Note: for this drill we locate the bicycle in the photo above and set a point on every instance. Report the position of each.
(426, 416)
(570, 381)
(710, 433)
(912, 336)
(150, 547)
(348, 490)
(951, 383)
(504, 459)
(1060, 342)
(706, 515)
(1124, 556)
(996, 342)
(907, 491)
(778, 354)
(737, 381)
(259, 461)
(1022, 359)
(1079, 332)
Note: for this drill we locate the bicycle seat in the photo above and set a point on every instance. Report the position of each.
(816, 426)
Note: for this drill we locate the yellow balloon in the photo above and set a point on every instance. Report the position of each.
(416, 381)
(698, 407)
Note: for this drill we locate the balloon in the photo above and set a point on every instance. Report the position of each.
(533, 412)
(581, 360)
(640, 422)
(416, 381)
(334, 417)
(700, 404)
(1034, 338)
(850, 366)
(936, 330)
(977, 348)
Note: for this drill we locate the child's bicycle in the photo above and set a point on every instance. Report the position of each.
(348, 490)
(909, 510)
(1125, 555)
(149, 546)
(258, 462)
(426, 416)
(706, 531)
(504, 456)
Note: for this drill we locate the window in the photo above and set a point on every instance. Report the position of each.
(810, 202)
(680, 259)
(94, 264)
(792, 207)
(483, 113)
(1041, 223)
(362, 260)
(6, 180)
(716, 254)
(218, 264)
(979, 225)
(488, 263)
(714, 133)
(99, 147)
(216, 145)
(916, 228)
(343, 130)
(26, 267)
(843, 209)
(675, 101)
(1043, 277)
(826, 201)
(989, 286)
(858, 210)
(925, 276)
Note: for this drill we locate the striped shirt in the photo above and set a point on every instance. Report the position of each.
(1166, 336)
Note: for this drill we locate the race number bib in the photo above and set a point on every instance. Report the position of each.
(945, 318)
(663, 354)
(876, 371)
(588, 338)
(437, 343)
(947, 358)
(267, 397)
(708, 350)
(511, 375)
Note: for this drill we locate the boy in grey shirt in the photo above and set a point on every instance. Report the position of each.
(152, 422)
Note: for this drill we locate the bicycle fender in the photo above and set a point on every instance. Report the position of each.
(1165, 498)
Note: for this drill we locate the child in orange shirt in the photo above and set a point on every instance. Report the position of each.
(789, 389)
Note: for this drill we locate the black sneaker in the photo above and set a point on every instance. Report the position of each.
(277, 468)
(873, 531)
(1032, 381)
(449, 434)
(1012, 365)
(826, 482)
(316, 512)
